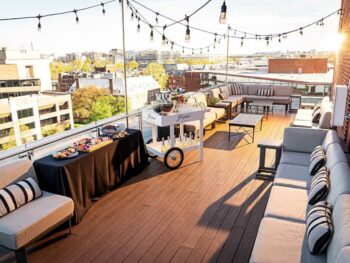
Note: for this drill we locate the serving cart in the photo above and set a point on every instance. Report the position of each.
(174, 156)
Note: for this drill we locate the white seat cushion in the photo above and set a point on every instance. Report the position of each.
(28, 222)
(219, 112)
(287, 203)
(296, 158)
(290, 175)
(282, 241)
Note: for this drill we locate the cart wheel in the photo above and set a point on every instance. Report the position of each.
(173, 158)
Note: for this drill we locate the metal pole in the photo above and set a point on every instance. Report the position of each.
(124, 62)
(227, 51)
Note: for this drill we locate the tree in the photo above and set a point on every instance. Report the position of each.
(158, 73)
(83, 100)
(11, 143)
(132, 65)
(106, 106)
(55, 68)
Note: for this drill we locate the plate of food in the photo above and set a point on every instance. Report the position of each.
(90, 145)
(120, 134)
(68, 153)
(110, 130)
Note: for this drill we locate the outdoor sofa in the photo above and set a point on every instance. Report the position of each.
(304, 117)
(282, 233)
(29, 222)
(247, 93)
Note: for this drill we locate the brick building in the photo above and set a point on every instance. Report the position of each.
(176, 79)
(195, 80)
(298, 65)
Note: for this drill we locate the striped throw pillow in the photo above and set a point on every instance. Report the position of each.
(260, 92)
(18, 194)
(319, 186)
(317, 160)
(268, 92)
(317, 107)
(316, 115)
(319, 227)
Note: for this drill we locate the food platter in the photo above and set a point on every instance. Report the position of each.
(90, 145)
(113, 132)
(67, 153)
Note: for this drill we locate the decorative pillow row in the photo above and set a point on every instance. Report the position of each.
(319, 186)
(18, 194)
(236, 89)
(319, 227)
(317, 160)
(265, 92)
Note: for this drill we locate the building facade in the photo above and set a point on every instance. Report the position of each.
(196, 80)
(30, 65)
(298, 65)
(28, 118)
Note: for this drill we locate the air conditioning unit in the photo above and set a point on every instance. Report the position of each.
(339, 101)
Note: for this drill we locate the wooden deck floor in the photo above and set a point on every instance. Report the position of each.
(203, 212)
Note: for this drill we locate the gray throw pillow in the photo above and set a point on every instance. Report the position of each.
(317, 159)
(319, 186)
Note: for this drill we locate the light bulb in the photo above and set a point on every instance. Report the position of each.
(222, 18)
(188, 36)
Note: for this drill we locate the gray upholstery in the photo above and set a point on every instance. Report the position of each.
(302, 139)
(28, 222)
(295, 176)
(281, 236)
(282, 241)
(287, 203)
(341, 223)
(23, 225)
(296, 158)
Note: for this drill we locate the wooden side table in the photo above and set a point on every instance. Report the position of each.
(264, 172)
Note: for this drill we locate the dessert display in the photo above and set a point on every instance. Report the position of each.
(70, 152)
(89, 144)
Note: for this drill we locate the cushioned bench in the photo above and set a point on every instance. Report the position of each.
(27, 223)
(281, 236)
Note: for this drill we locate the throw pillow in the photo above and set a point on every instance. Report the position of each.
(18, 194)
(319, 186)
(260, 92)
(316, 116)
(319, 227)
(317, 160)
(223, 96)
(317, 107)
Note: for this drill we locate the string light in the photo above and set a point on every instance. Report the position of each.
(215, 37)
(76, 16)
(192, 51)
(157, 21)
(222, 18)
(241, 41)
(151, 34)
(188, 36)
(172, 45)
(183, 50)
(39, 23)
(132, 15)
(267, 41)
(103, 8)
(164, 41)
(279, 38)
(301, 31)
(138, 25)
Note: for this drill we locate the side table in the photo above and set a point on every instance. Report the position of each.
(265, 172)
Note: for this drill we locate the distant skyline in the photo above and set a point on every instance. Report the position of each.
(96, 32)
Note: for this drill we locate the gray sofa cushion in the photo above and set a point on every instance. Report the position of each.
(341, 223)
(287, 203)
(239, 98)
(339, 178)
(344, 255)
(302, 139)
(290, 175)
(296, 158)
(280, 99)
(16, 171)
(282, 241)
(335, 154)
(282, 91)
(330, 138)
(251, 98)
(28, 222)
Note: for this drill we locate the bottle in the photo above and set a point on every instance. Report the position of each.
(163, 148)
(185, 141)
(168, 144)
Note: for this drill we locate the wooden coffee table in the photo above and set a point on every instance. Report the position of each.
(246, 121)
(263, 106)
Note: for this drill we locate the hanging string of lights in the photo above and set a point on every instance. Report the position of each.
(166, 40)
(74, 11)
(243, 34)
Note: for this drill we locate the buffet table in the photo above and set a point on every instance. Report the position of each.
(90, 175)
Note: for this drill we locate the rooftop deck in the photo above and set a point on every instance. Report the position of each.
(205, 211)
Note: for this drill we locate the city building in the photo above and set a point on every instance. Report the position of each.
(298, 65)
(195, 80)
(28, 118)
(13, 86)
(30, 65)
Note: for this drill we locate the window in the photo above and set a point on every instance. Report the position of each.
(25, 113)
(64, 117)
(29, 72)
(27, 126)
(5, 132)
(64, 106)
(47, 110)
(5, 119)
(49, 121)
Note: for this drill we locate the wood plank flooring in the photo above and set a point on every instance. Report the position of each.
(206, 211)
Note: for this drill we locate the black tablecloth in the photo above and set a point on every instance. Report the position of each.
(91, 175)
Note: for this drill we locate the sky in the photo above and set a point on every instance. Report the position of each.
(95, 32)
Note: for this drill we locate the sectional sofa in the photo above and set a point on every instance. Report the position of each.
(282, 232)
(281, 95)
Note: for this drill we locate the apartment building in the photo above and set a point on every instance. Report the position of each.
(30, 65)
(28, 118)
